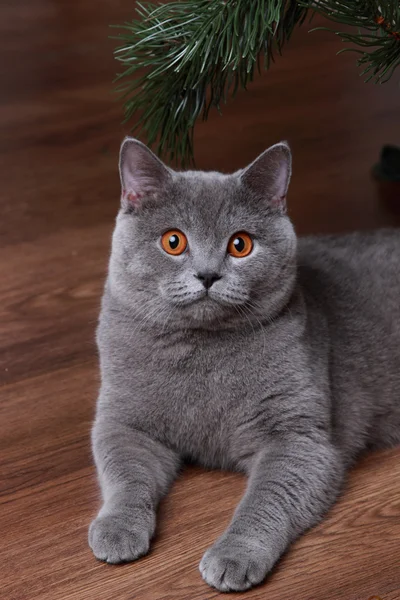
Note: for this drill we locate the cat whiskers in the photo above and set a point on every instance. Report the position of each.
(242, 313)
(138, 324)
(252, 308)
(167, 320)
(186, 295)
(147, 317)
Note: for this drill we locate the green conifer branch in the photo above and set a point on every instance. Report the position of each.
(378, 36)
(182, 58)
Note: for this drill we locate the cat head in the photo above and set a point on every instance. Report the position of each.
(201, 249)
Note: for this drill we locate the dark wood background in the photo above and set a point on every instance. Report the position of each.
(59, 138)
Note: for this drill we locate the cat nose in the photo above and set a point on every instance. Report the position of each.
(207, 279)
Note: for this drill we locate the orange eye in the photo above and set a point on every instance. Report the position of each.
(174, 242)
(240, 245)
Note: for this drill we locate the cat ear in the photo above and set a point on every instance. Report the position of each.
(142, 173)
(269, 175)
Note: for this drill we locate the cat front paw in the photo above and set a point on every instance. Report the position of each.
(234, 564)
(114, 539)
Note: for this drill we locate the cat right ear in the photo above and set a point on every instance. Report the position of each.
(269, 175)
(142, 174)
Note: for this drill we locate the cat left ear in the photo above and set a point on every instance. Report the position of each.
(142, 173)
(269, 175)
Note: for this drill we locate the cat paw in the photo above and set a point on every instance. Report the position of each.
(114, 540)
(234, 565)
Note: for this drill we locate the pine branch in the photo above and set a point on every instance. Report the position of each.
(185, 57)
(379, 32)
(182, 58)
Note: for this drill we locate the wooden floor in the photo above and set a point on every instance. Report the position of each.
(59, 136)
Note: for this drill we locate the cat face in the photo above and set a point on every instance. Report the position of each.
(195, 249)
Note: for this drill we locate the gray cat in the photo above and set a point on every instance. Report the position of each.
(226, 341)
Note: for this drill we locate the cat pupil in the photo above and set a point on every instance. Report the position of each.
(173, 241)
(239, 244)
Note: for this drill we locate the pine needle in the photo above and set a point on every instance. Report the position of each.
(183, 58)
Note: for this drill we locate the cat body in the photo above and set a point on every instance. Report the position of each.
(356, 280)
(283, 363)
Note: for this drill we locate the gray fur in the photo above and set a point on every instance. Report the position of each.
(287, 369)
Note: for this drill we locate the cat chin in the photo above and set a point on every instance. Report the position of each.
(208, 313)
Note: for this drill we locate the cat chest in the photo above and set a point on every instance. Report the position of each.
(196, 403)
